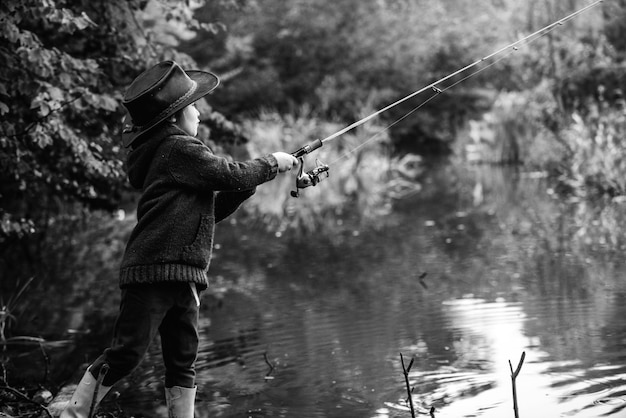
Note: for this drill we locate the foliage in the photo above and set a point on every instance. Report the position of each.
(522, 127)
(335, 56)
(65, 66)
(364, 179)
(56, 143)
(563, 114)
(615, 26)
(598, 163)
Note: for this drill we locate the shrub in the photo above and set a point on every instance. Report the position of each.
(598, 164)
(363, 178)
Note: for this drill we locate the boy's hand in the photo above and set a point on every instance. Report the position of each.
(285, 161)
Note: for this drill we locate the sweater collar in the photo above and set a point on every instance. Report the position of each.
(141, 156)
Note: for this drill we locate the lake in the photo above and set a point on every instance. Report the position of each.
(479, 266)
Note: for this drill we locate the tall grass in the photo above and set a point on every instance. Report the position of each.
(363, 178)
(584, 152)
(598, 163)
(586, 149)
(520, 128)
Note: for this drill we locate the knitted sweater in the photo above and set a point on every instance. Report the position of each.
(186, 190)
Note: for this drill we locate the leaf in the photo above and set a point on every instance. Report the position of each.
(108, 103)
(41, 137)
(10, 32)
(213, 27)
(86, 17)
(3, 108)
(36, 102)
(66, 80)
(56, 93)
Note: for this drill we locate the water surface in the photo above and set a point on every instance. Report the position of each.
(463, 277)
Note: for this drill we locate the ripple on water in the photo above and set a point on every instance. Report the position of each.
(334, 362)
(489, 334)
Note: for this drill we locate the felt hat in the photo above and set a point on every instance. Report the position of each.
(158, 93)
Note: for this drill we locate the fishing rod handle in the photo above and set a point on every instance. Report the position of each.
(307, 148)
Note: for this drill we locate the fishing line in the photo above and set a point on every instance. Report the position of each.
(467, 67)
(546, 30)
(438, 91)
(312, 177)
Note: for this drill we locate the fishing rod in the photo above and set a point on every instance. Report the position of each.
(313, 177)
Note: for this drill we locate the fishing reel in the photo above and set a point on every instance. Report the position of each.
(309, 178)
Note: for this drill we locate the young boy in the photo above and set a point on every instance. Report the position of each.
(185, 191)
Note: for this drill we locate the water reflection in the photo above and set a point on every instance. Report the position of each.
(329, 316)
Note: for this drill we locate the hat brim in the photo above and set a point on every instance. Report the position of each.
(206, 83)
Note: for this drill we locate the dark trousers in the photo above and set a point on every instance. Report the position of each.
(170, 309)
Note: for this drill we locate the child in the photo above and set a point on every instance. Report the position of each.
(185, 191)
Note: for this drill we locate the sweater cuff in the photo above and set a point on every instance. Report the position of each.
(273, 162)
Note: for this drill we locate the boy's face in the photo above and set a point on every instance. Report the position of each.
(189, 120)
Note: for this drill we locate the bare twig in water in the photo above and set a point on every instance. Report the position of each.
(513, 377)
(271, 366)
(422, 281)
(405, 371)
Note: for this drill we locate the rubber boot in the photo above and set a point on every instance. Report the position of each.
(80, 404)
(180, 401)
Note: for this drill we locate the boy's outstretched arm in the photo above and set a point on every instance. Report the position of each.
(227, 202)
